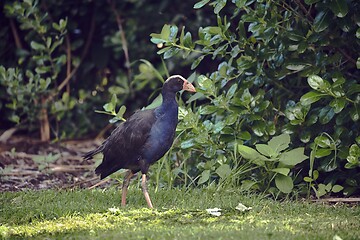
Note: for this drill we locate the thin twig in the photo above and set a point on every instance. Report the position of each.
(83, 55)
(68, 60)
(303, 8)
(15, 34)
(100, 183)
(123, 39)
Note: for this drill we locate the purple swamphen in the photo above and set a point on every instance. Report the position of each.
(143, 139)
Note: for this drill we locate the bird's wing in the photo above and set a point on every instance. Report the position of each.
(122, 147)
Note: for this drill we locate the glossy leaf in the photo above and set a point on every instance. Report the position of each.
(326, 114)
(311, 97)
(37, 46)
(187, 144)
(338, 104)
(321, 21)
(197, 62)
(318, 83)
(339, 8)
(201, 4)
(219, 5)
(208, 109)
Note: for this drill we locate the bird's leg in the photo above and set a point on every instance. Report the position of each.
(125, 186)
(145, 191)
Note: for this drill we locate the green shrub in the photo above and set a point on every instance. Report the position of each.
(264, 51)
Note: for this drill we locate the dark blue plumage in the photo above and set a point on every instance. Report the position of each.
(143, 139)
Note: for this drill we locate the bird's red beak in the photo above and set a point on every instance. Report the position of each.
(188, 86)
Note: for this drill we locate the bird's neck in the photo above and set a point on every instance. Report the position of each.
(169, 104)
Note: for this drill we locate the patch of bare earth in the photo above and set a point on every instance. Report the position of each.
(30, 164)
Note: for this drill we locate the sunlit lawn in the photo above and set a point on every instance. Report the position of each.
(96, 214)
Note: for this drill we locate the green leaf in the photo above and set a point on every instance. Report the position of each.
(297, 67)
(201, 4)
(326, 114)
(280, 143)
(339, 8)
(358, 63)
(323, 141)
(284, 183)
(354, 114)
(309, 2)
(322, 152)
(245, 62)
(114, 100)
(239, 3)
(121, 112)
(250, 154)
(14, 118)
(318, 83)
(315, 175)
(321, 191)
(219, 5)
(245, 135)
(259, 127)
(171, 52)
(208, 109)
(165, 32)
(338, 104)
(173, 33)
(188, 40)
(187, 144)
(321, 21)
(266, 150)
(204, 82)
(155, 103)
(247, 185)
(219, 126)
(337, 188)
(205, 175)
(48, 42)
(109, 107)
(62, 24)
(311, 97)
(230, 93)
(223, 171)
(197, 62)
(283, 171)
(293, 157)
(307, 179)
(37, 46)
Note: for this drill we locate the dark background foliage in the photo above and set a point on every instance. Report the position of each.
(268, 74)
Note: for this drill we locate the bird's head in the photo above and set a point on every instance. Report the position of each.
(176, 83)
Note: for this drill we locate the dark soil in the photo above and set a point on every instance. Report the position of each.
(30, 164)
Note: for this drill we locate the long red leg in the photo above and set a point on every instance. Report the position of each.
(145, 191)
(125, 186)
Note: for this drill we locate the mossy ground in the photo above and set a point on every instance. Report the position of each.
(96, 214)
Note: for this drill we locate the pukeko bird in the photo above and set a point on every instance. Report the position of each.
(143, 139)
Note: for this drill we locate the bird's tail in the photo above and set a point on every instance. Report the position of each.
(89, 155)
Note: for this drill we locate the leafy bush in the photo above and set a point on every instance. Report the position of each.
(263, 53)
(61, 60)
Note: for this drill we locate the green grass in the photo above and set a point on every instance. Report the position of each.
(95, 214)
